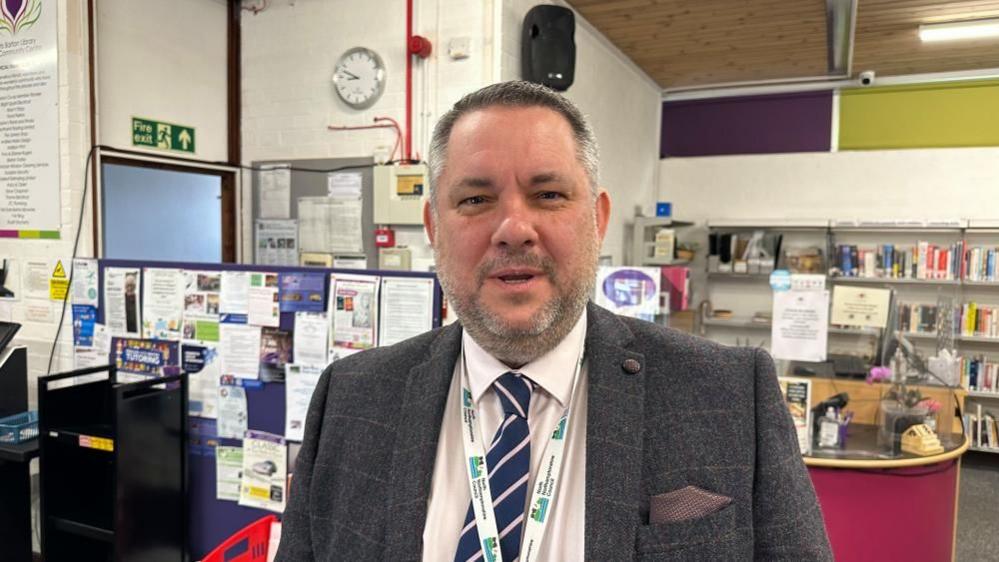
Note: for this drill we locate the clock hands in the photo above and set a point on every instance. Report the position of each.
(349, 75)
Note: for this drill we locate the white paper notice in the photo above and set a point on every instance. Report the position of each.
(228, 472)
(239, 350)
(203, 368)
(353, 310)
(277, 242)
(29, 102)
(262, 300)
(96, 355)
(344, 185)
(330, 225)
(162, 303)
(311, 337)
(265, 471)
(232, 411)
(84, 290)
(300, 381)
(406, 310)
(35, 282)
(800, 325)
(860, 306)
(274, 183)
(122, 287)
(234, 293)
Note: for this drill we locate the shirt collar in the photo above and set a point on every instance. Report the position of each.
(553, 371)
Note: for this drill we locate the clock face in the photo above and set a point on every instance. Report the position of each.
(359, 78)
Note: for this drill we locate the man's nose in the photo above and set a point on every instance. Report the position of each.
(516, 228)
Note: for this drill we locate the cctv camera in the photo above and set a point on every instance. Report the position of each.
(867, 78)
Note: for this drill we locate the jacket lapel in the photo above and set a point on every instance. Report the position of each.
(614, 437)
(415, 448)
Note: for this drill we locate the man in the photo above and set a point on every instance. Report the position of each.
(604, 438)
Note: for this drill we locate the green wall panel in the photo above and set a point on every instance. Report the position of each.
(920, 116)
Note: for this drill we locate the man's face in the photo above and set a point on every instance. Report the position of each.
(517, 230)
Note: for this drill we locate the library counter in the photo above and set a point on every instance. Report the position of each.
(882, 507)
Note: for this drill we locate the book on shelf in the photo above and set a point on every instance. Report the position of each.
(978, 374)
(922, 261)
(979, 320)
(981, 264)
(918, 318)
(676, 281)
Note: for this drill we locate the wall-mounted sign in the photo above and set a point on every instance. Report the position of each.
(164, 136)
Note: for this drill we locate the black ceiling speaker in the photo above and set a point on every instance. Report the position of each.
(548, 47)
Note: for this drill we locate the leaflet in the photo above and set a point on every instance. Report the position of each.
(162, 303)
(121, 301)
(239, 350)
(353, 311)
(231, 411)
(275, 353)
(234, 296)
(277, 242)
(407, 308)
(228, 472)
(84, 290)
(310, 338)
(265, 471)
(262, 298)
(303, 291)
(300, 381)
(201, 363)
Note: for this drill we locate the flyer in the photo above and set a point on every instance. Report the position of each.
(800, 328)
(300, 381)
(84, 290)
(303, 291)
(162, 303)
(353, 311)
(265, 471)
(629, 291)
(201, 363)
(263, 308)
(798, 394)
(277, 242)
(275, 353)
(239, 350)
(234, 296)
(149, 358)
(407, 308)
(860, 306)
(310, 338)
(228, 472)
(84, 318)
(201, 293)
(231, 409)
(121, 301)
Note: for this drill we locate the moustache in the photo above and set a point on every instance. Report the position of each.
(533, 261)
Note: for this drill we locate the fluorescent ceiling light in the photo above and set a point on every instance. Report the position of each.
(974, 29)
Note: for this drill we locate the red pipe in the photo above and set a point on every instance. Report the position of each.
(409, 82)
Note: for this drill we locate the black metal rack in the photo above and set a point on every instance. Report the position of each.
(113, 467)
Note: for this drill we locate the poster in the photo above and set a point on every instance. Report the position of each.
(239, 350)
(353, 311)
(265, 471)
(275, 352)
(201, 293)
(629, 291)
(148, 358)
(231, 409)
(234, 296)
(300, 383)
(274, 191)
(798, 394)
(860, 306)
(800, 328)
(228, 472)
(263, 308)
(407, 308)
(35, 278)
(303, 291)
(162, 303)
(121, 301)
(201, 363)
(29, 98)
(84, 319)
(311, 338)
(277, 242)
(331, 225)
(344, 185)
(84, 290)
(59, 282)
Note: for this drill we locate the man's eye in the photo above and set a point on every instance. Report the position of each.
(550, 195)
(476, 200)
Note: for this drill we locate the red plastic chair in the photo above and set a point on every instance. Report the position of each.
(249, 544)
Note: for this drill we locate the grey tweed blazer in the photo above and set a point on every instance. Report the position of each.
(696, 413)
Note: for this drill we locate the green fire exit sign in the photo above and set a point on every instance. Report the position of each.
(165, 136)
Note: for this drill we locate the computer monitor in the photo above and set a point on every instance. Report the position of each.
(7, 331)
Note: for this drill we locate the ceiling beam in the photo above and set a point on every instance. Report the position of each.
(841, 23)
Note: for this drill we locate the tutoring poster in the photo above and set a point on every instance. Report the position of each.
(148, 358)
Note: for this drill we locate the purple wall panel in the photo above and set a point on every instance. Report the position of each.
(798, 122)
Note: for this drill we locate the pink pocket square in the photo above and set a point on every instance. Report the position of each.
(686, 503)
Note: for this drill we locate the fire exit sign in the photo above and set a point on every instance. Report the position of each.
(165, 136)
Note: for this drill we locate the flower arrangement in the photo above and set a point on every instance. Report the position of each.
(899, 391)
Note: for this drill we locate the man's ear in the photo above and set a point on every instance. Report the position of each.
(428, 221)
(603, 209)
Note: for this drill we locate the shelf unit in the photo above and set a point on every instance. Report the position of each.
(113, 467)
(643, 245)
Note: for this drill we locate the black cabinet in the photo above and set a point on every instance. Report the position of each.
(113, 467)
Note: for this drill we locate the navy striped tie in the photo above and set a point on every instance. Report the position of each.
(509, 464)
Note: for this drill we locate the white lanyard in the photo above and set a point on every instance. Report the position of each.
(542, 499)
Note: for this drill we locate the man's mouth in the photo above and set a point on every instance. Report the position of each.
(516, 276)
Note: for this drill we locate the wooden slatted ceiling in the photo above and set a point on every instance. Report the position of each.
(702, 42)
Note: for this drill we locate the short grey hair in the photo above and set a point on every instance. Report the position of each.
(516, 93)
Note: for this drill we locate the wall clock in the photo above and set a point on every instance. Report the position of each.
(359, 77)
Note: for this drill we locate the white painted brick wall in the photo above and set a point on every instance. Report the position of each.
(74, 138)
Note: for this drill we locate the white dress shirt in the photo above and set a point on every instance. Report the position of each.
(449, 495)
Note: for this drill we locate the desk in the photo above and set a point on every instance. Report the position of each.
(15, 499)
(882, 507)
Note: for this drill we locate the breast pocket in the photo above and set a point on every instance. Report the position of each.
(712, 537)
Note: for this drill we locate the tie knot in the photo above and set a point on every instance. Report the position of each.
(514, 391)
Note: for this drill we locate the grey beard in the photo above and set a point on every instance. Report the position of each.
(517, 347)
